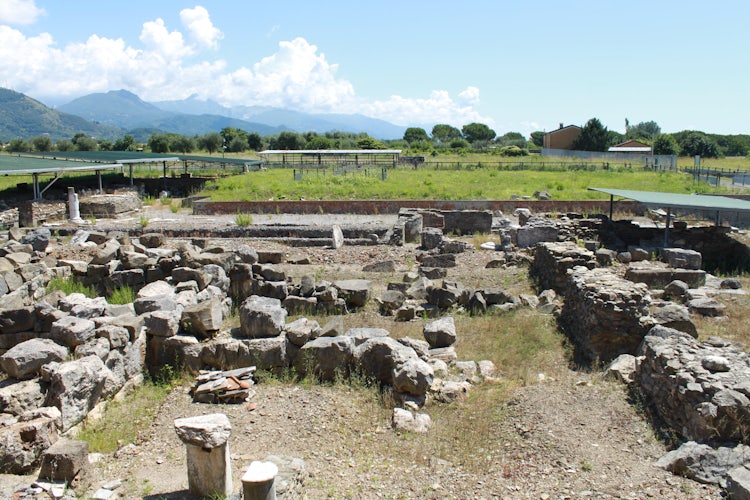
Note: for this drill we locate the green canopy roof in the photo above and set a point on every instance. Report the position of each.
(697, 202)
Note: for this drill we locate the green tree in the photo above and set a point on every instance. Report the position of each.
(105, 145)
(41, 143)
(593, 137)
(665, 144)
(159, 143)
(84, 143)
(537, 138)
(445, 133)
(211, 142)
(614, 138)
(319, 142)
(367, 142)
(230, 133)
(642, 130)
(18, 146)
(254, 141)
(182, 143)
(127, 143)
(512, 139)
(477, 132)
(697, 143)
(459, 143)
(288, 140)
(238, 144)
(64, 145)
(415, 134)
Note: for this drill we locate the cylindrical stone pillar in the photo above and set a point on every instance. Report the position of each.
(258, 483)
(208, 465)
(74, 207)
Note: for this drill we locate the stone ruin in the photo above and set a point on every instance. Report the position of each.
(618, 305)
(65, 355)
(633, 314)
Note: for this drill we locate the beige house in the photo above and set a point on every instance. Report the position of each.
(562, 138)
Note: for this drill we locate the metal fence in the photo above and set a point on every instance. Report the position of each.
(650, 161)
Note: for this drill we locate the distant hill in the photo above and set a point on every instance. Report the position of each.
(127, 110)
(289, 119)
(24, 117)
(112, 114)
(117, 107)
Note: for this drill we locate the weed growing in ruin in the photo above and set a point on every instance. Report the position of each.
(124, 420)
(143, 221)
(174, 208)
(70, 285)
(122, 295)
(243, 219)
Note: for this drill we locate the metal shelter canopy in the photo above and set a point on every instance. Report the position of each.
(19, 165)
(698, 202)
(319, 157)
(705, 204)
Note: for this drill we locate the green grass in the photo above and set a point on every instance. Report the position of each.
(243, 220)
(426, 183)
(70, 285)
(122, 295)
(125, 419)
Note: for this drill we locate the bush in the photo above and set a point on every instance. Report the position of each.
(513, 151)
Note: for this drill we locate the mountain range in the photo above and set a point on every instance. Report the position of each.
(115, 113)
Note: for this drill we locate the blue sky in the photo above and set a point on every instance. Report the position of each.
(517, 66)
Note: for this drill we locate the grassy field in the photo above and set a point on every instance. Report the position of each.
(426, 183)
(449, 177)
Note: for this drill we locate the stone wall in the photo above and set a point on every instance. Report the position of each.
(553, 260)
(33, 213)
(109, 205)
(604, 315)
(700, 389)
(716, 244)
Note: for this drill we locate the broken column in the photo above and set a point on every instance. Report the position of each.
(206, 438)
(73, 206)
(258, 481)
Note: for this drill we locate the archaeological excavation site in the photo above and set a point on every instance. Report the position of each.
(528, 351)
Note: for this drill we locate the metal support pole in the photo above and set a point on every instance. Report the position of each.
(666, 228)
(611, 206)
(99, 175)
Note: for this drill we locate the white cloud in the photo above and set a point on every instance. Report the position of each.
(157, 39)
(166, 67)
(440, 107)
(19, 12)
(469, 96)
(199, 26)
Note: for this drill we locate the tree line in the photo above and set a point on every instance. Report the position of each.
(596, 137)
(443, 138)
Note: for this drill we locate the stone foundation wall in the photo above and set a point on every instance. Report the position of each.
(700, 389)
(716, 244)
(109, 205)
(604, 315)
(552, 262)
(33, 213)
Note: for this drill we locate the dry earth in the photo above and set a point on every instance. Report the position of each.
(566, 434)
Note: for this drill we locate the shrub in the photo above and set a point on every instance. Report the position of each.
(513, 151)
